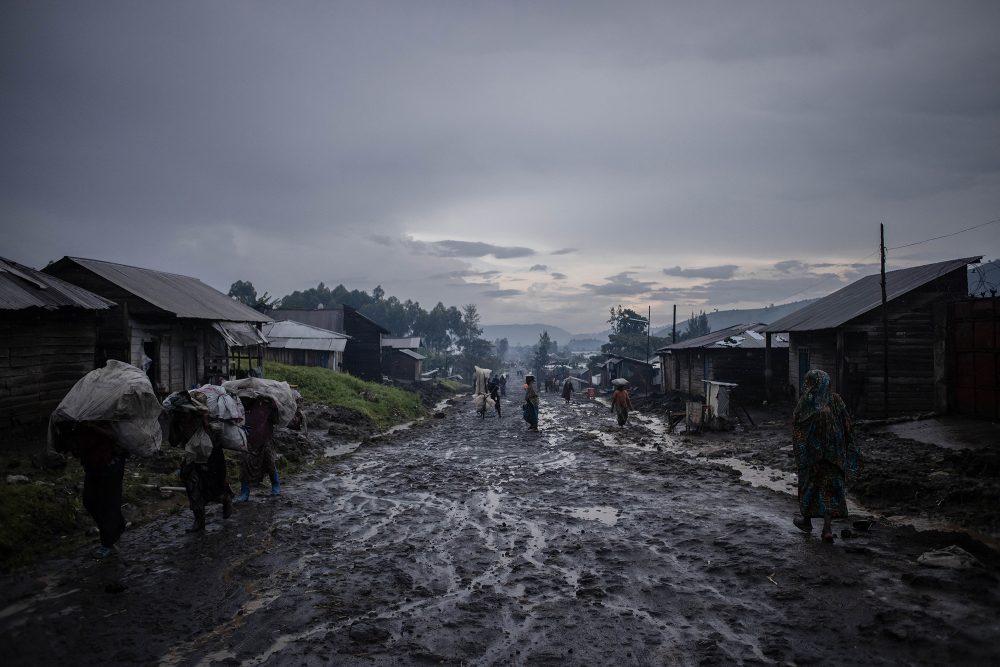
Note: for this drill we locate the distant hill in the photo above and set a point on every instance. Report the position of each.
(720, 319)
(525, 334)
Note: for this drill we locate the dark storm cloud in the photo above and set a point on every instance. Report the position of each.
(502, 293)
(719, 272)
(754, 290)
(621, 284)
(789, 265)
(558, 276)
(464, 273)
(539, 267)
(293, 144)
(471, 249)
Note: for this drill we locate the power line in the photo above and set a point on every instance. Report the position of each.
(944, 236)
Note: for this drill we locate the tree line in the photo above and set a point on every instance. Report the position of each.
(450, 337)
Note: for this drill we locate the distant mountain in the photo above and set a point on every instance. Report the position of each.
(525, 334)
(720, 319)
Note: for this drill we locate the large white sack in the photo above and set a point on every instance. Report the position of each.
(481, 375)
(282, 395)
(221, 404)
(121, 394)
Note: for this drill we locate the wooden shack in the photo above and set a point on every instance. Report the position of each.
(178, 329)
(843, 335)
(298, 344)
(401, 359)
(734, 355)
(48, 341)
(639, 373)
(363, 354)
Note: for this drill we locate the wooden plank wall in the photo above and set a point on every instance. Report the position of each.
(312, 358)
(42, 356)
(363, 356)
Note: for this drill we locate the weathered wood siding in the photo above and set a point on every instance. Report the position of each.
(363, 355)
(917, 347)
(745, 368)
(401, 366)
(42, 355)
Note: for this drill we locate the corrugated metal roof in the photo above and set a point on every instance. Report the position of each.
(23, 287)
(183, 296)
(412, 342)
(863, 296)
(239, 334)
(412, 354)
(738, 336)
(292, 335)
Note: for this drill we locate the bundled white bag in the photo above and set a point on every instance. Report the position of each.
(279, 392)
(120, 394)
(221, 404)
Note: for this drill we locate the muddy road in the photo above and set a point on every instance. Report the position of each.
(472, 541)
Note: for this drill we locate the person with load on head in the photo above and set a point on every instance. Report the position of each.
(204, 466)
(530, 407)
(261, 418)
(621, 404)
(825, 453)
(103, 461)
(493, 389)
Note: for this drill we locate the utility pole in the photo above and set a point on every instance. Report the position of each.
(885, 331)
(673, 332)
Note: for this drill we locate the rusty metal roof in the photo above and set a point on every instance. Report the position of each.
(22, 287)
(738, 336)
(863, 296)
(183, 296)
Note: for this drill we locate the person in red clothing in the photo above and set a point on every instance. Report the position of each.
(261, 418)
(103, 461)
(621, 404)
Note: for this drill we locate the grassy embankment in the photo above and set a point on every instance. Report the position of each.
(44, 517)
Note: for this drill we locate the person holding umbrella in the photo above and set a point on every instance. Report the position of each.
(621, 404)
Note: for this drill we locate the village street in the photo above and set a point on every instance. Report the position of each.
(472, 541)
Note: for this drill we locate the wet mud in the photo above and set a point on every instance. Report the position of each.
(463, 540)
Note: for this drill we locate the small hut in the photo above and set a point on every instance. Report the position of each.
(299, 344)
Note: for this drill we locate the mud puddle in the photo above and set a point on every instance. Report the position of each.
(471, 541)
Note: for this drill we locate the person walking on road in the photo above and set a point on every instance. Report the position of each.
(825, 453)
(95, 444)
(261, 418)
(530, 408)
(567, 390)
(621, 404)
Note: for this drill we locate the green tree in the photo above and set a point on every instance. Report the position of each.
(628, 336)
(501, 346)
(244, 292)
(541, 356)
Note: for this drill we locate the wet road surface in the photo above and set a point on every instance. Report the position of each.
(472, 541)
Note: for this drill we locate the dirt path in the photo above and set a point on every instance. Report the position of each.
(470, 541)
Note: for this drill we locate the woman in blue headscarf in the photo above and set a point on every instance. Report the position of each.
(825, 453)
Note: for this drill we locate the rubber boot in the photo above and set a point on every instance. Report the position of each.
(244, 492)
(275, 484)
(199, 522)
(227, 506)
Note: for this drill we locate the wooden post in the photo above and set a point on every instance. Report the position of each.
(885, 332)
(768, 373)
(673, 332)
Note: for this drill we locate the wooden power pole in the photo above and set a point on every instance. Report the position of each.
(885, 331)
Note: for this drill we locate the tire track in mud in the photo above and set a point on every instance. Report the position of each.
(472, 541)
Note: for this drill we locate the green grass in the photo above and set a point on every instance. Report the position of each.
(385, 406)
(454, 385)
(34, 518)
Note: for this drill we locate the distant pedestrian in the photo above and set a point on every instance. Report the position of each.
(621, 404)
(103, 460)
(567, 390)
(530, 407)
(493, 388)
(261, 418)
(825, 453)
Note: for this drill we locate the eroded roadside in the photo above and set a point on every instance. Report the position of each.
(470, 541)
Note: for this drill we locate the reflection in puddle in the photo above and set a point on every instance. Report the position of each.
(604, 514)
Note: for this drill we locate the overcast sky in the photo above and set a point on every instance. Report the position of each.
(543, 160)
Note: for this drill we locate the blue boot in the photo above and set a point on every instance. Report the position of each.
(275, 485)
(244, 492)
